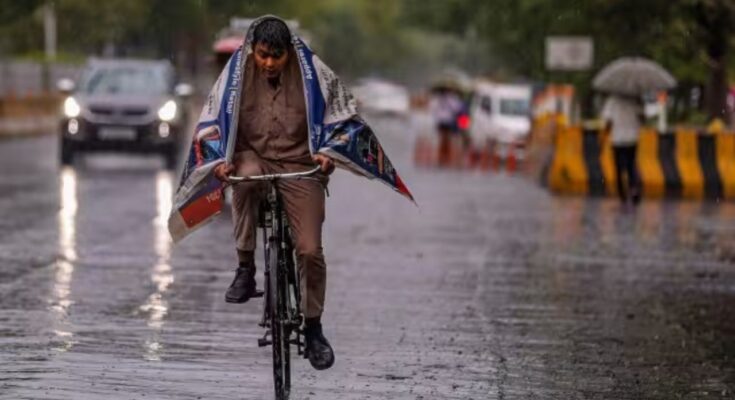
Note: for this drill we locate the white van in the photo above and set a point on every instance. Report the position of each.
(500, 113)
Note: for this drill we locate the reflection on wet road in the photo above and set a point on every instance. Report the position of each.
(162, 275)
(68, 256)
(491, 289)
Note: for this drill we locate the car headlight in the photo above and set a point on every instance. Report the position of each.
(71, 108)
(168, 111)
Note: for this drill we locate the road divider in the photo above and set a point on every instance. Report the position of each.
(684, 163)
(29, 114)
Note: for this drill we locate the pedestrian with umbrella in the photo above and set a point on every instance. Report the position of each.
(447, 105)
(625, 81)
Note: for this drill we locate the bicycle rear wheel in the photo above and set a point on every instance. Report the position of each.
(280, 328)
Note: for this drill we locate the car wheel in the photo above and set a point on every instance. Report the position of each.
(67, 152)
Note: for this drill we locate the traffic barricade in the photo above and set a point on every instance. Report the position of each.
(685, 163)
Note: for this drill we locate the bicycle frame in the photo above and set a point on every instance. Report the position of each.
(276, 235)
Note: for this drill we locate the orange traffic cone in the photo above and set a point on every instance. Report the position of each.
(451, 152)
(423, 153)
(511, 162)
(444, 150)
(417, 149)
(473, 157)
(485, 161)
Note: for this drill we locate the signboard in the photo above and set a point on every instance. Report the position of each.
(239, 27)
(242, 24)
(569, 53)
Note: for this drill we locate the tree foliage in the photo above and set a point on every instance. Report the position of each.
(691, 38)
(406, 39)
(11, 10)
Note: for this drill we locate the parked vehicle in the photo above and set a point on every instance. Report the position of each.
(123, 105)
(381, 97)
(501, 114)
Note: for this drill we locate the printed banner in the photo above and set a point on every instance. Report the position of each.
(335, 129)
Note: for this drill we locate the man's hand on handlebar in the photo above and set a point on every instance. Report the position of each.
(223, 171)
(325, 162)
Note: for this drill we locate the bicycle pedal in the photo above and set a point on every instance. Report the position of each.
(262, 342)
(258, 293)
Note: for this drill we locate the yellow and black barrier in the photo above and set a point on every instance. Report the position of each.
(684, 163)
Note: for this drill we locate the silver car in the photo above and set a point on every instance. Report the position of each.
(124, 105)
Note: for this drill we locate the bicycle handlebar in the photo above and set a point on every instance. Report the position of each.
(273, 177)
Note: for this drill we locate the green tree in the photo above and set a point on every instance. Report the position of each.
(15, 19)
(11, 10)
(100, 26)
(713, 25)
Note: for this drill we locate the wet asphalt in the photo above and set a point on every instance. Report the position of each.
(490, 289)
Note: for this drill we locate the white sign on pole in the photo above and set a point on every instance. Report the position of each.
(569, 53)
(243, 24)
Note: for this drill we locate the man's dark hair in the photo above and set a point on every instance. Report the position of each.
(272, 33)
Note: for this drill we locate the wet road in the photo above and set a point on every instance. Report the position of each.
(492, 289)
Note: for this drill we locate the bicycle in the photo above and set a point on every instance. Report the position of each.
(282, 314)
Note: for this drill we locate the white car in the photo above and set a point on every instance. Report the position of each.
(500, 113)
(381, 97)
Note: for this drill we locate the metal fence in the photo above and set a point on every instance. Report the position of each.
(28, 78)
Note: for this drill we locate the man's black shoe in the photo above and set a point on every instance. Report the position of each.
(242, 287)
(318, 350)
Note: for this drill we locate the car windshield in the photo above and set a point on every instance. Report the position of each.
(126, 80)
(515, 107)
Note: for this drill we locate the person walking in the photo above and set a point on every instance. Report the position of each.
(445, 105)
(624, 116)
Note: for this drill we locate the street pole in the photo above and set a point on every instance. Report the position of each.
(662, 100)
(49, 30)
(49, 39)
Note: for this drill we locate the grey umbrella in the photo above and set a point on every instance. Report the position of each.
(633, 76)
(454, 80)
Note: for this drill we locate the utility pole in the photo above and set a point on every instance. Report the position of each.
(49, 39)
(49, 30)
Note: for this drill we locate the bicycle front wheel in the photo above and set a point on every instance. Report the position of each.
(280, 329)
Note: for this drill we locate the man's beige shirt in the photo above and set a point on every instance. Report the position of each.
(272, 121)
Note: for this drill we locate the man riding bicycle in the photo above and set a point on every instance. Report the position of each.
(273, 137)
(277, 108)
